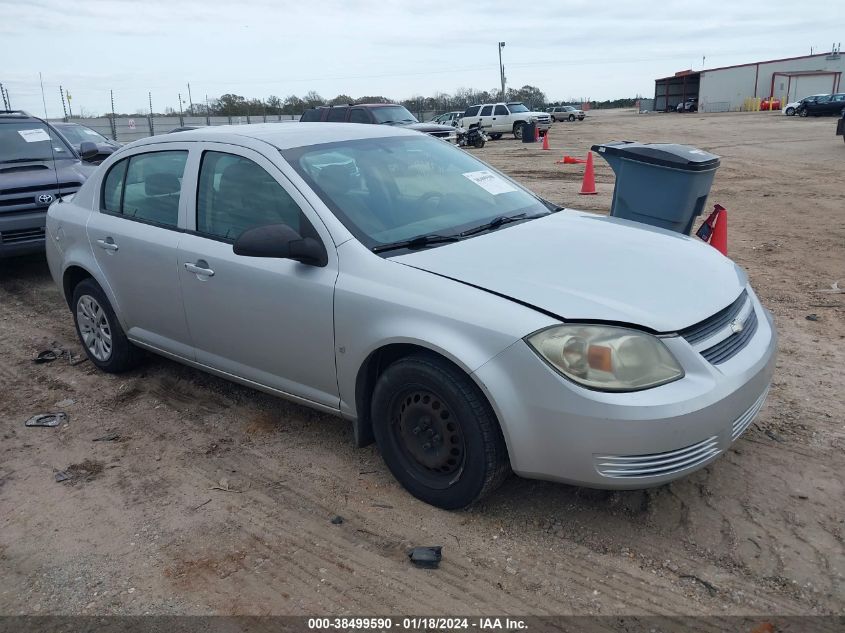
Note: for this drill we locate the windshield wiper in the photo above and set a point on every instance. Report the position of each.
(421, 241)
(496, 222)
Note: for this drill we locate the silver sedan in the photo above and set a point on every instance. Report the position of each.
(466, 325)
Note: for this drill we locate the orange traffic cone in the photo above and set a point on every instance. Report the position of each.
(714, 231)
(588, 186)
(546, 140)
(569, 160)
(536, 134)
(719, 239)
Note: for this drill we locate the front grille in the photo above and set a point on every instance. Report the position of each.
(745, 420)
(702, 330)
(17, 236)
(657, 464)
(727, 348)
(42, 188)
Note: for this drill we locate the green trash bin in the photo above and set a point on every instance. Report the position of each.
(661, 184)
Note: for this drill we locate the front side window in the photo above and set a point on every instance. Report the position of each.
(146, 187)
(390, 189)
(500, 109)
(486, 110)
(358, 116)
(235, 194)
(472, 110)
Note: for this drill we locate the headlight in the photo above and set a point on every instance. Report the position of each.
(607, 358)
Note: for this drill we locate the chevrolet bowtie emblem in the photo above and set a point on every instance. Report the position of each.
(736, 326)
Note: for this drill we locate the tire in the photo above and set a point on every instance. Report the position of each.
(571, 117)
(803, 113)
(100, 332)
(479, 143)
(422, 400)
(790, 112)
(517, 130)
(495, 137)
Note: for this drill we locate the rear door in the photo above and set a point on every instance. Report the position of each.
(269, 321)
(135, 238)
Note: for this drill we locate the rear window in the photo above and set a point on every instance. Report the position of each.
(487, 110)
(472, 110)
(310, 115)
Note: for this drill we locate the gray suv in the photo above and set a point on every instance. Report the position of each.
(37, 166)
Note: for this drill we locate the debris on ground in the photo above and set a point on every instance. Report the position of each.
(709, 586)
(47, 419)
(428, 557)
(223, 485)
(337, 520)
(774, 436)
(47, 356)
(111, 437)
(61, 476)
(812, 317)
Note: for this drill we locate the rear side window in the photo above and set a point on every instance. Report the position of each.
(486, 110)
(472, 110)
(358, 116)
(310, 115)
(235, 194)
(146, 187)
(337, 114)
(500, 109)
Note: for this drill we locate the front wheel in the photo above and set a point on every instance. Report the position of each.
(478, 143)
(571, 117)
(518, 130)
(790, 112)
(99, 331)
(802, 113)
(437, 433)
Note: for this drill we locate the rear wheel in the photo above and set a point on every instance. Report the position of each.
(99, 331)
(437, 433)
(479, 143)
(803, 113)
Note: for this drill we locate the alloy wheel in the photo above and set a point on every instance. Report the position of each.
(94, 328)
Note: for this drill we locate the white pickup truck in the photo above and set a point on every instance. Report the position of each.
(503, 118)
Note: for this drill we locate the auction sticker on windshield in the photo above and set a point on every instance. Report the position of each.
(490, 182)
(32, 136)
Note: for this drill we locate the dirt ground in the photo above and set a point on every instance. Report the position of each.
(216, 499)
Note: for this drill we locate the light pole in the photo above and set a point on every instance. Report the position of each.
(502, 69)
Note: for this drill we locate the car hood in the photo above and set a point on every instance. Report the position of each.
(428, 128)
(44, 173)
(581, 266)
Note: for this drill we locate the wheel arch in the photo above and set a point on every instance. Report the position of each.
(374, 365)
(71, 277)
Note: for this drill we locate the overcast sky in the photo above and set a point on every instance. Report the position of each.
(569, 48)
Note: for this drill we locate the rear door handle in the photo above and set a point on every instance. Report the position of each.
(200, 268)
(107, 244)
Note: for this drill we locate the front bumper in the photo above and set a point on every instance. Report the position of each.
(557, 430)
(22, 233)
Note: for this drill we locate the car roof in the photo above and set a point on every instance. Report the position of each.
(281, 135)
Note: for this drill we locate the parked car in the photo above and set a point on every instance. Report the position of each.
(790, 108)
(37, 166)
(689, 105)
(378, 114)
(840, 125)
(76, 134)
(448, 118)
(503, 118)
(397, 281)
(566, 113)
(824, 105)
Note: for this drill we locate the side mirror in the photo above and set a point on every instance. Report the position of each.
(88, 150)
(281, 242)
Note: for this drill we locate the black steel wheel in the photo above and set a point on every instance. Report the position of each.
(437, 433)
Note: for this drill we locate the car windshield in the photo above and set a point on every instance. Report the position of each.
(517, 107)
(393, 114)
(78, 133)
(30, 141)
(391, 189)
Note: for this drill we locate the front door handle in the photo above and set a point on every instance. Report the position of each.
(107, 244)
(200, 268)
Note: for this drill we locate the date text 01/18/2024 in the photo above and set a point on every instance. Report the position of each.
(416, 623)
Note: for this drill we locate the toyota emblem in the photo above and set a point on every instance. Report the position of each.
(45, 198)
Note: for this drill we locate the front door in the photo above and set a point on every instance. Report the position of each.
(135, 237)
(269, 321)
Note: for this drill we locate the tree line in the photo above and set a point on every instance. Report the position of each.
(231, 104)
